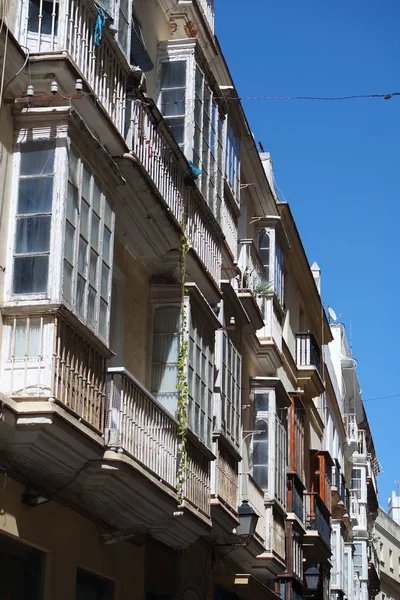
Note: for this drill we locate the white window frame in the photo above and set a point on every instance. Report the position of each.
(102, 296)
(53, 292)
(212, 185)
(277, 444)
(229, 382)
(198, 413)
(276, 268)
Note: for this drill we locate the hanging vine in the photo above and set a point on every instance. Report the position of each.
(182, 383)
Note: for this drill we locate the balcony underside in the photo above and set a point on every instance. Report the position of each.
(251, 307)
(309, 379)
(44, 68)
(268, 354)
(49, 450)
(315, 548)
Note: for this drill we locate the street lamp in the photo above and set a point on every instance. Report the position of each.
(312, 577)
(248, 519)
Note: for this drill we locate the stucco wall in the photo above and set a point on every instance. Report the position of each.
(136, 308)
(70, 541)
(387, 535)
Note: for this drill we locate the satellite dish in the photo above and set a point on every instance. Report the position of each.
(332, 314)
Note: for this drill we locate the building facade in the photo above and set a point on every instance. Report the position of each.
(168, 373)
(386, 541)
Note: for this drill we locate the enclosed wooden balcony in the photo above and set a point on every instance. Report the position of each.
(61, 32)
(142, 429)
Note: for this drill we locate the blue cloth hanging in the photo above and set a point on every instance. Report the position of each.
(196, 172)
(100, 24)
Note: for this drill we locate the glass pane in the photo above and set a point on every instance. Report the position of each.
(86, 177)
(47, 17)
(261, 401)
(73, 167)
(80, 296)
(67, 282)
(20, 340)
(30, 274)
(69, 242)
(34, 339)
(82, 256)
(84, 219)
(32, 235)
(108, 213)
(173, 74)
(91, 313)
(93, 268)
(106, 244)
(105, 271)
(103, 318)
(37, 158)
(177, 126)
(96, 196)
(173, 102)
(35, 195)
(165, 348)
(94, 236)
(72, 203)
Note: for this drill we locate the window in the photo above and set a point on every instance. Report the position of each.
(25, 339)
(43, 17)
(261, 454)
(164, 373)
(173, 97)
(93, 587)
(230, 385)
(358, 558)
(279, 279)
(123, 24)
(33, 218)
(264, 249)
(88, 246)
(232, 164)
(391, 559)
(21, 571)
(139, 54)
(164, 370)
(201, 378)
(355, 483)
(188, 105)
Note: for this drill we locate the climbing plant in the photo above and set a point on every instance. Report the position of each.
(183, 355)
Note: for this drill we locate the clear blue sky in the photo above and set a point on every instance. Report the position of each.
(337, 163)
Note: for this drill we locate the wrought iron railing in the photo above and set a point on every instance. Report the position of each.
(316, 516)
(297, 503)
(308, 353)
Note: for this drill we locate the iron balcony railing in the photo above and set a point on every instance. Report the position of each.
(297, 504)
(308, 353)
(317, 518)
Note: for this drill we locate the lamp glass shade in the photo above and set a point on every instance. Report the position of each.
(312, 577)
(247, 519)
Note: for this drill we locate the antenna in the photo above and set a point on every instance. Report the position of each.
(332, 314)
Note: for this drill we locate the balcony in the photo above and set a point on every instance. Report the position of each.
(317, 539)
(103, 66)
(224, 488)
(308, 360)
(49, 359)
(161, 162)
(358, 513)
(141, 429)
(373, 570)
(252, 276)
